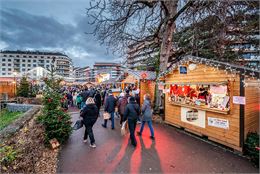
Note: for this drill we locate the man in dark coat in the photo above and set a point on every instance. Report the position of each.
(110, 105)
(132, 112)
(90, 115)
(98, 101)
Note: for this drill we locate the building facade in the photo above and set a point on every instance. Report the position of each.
(138, 55)
(82, 74)
(113, 69)
(24, 61)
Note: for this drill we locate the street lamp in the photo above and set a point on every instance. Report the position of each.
(14, 82)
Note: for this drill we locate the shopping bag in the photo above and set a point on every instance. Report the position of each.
(106, 115)
(78, 125)
(124, 128)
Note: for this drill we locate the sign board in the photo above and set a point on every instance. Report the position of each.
(239, 100)
(183, 70)
(193, 116)
(217, 122)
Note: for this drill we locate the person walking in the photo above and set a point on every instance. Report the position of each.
(122, 102)
(89, 114)
(132, 112)
(78, 101)
(97, 99)
(147, 116)
(84, 94)
(110, 105)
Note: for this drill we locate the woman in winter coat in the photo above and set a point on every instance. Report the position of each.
(132, 112)
(122, 102)
(90, 115)
(147, 116)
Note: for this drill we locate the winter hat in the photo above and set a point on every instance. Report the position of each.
(131, 99)
(90, 100)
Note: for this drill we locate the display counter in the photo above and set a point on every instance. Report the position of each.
(204, 108)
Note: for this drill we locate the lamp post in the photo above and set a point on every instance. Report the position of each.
(14, 82)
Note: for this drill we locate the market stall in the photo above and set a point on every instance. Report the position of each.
(210, 98)
(7, 86)
(142, 80)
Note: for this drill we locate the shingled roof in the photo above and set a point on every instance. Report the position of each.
(210, 62)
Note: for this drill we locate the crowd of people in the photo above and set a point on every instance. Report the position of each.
(126, 106)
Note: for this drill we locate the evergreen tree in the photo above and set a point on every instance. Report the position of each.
(55, 120)
(23, 89)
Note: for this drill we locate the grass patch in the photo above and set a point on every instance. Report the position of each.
(7, 117)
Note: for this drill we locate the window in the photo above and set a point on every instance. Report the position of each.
(9, 69)
(42, 57)
(9, 60)
(30, 56)
(23, 65)
(3, 64)
(34, 60)
(5, 56)
(23, 69)
(47, 61)
(9, 64)
(35, 56)
(3, 60)
(29, 65)
(11, 56)
(34, 65)
(24, 56)
(23, 60)
(3, 73)
(3, 69)
(17, 56)
(28, 60)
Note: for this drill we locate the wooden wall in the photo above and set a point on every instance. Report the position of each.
(7, 87)
(147, 87)
(203, 73)
(252, 108)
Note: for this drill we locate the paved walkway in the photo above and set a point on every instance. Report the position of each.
(172, 151)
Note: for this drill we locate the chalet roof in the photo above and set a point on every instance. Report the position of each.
(214, 63)
(150, 75)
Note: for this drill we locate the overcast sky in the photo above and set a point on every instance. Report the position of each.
(51, 25)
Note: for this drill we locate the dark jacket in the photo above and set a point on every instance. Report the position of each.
(97, 98)
(137, 99)
(122, 105)
(84, 95)
(110, 104)
(132, 111)
(89, 112)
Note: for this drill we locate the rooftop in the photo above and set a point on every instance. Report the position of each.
(33, 52)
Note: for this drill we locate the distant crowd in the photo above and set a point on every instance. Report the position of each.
(126, 106)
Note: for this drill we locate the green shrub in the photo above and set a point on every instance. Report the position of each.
(250, 148)
(8, 154)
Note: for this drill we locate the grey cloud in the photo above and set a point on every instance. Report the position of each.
(21, 30)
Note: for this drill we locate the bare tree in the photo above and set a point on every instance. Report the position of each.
(119, 23)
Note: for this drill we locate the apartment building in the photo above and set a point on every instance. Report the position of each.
(139, 53)
(24, 61)
(82, 74)
(113, 69)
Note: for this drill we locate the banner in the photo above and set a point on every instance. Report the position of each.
(217, 122)
(193, 116)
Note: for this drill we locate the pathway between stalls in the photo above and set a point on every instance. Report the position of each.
(172, 151)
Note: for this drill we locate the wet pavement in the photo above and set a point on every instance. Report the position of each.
(172, 152)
